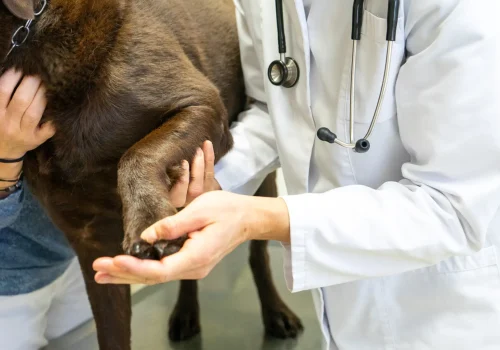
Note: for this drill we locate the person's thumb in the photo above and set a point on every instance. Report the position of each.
(173, 227)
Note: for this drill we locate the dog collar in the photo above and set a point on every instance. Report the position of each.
(22, 33)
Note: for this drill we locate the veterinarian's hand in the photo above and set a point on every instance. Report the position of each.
(197, 179)
(20, 115)
(216, 223)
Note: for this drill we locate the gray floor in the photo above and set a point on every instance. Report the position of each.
(230, 314)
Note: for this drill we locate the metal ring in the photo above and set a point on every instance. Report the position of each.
(39, 12)
(17, 43)
(277, 72)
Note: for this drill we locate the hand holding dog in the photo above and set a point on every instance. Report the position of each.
(22, 104)
(216, 223)
(21, 110)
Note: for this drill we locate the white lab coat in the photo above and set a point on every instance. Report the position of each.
(400, 245)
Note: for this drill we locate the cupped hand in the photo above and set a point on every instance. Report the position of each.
(21, 110)
(197, 179)
(216, 223)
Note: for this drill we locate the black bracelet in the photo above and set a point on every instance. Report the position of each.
(5, 180)
(13, 180)
(11, 189)
(9, 161)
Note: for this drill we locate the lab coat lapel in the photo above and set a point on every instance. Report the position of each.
(290, 106)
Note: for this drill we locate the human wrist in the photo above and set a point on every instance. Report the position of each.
(11, 164)
(11, 172)
(12, 156)
(269, 219)
(9, 187)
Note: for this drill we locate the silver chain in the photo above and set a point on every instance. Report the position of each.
(21, 34)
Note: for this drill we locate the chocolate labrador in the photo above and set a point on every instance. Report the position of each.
(134, 87)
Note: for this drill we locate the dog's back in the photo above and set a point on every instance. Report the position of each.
(117, 69)
(206, 33)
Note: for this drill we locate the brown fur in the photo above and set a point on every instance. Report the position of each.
(134, 88)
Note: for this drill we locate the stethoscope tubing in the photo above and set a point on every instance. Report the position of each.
(380, 101)
(285, 71)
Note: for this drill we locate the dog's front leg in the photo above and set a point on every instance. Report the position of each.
(151, 167)
(146, 174)
(111, 304)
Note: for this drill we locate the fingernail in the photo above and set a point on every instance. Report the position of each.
(199, 152)
(185, 164)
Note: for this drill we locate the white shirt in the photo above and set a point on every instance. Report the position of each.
(398, 245)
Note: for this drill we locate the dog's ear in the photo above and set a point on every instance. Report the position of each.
(24, 9)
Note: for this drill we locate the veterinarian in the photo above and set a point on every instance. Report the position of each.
(42, 293)
(396, 233)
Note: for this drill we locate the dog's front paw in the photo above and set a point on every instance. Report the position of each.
(165, 248)
(184, 324)
(142, 250)
(157, 251)
(281, 322)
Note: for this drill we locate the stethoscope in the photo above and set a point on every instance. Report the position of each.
(285, 71)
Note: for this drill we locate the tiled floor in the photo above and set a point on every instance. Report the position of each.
(230, 314)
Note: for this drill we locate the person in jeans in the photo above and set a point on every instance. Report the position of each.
(42, 292)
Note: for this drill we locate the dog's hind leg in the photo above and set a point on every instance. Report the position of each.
(279, 320)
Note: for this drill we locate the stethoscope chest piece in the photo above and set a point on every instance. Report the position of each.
(283, 72)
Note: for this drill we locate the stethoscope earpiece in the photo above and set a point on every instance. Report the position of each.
(326, 135)
(362, 146)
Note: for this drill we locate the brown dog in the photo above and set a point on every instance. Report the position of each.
(134, 88)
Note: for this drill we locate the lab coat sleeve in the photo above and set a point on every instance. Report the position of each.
(448, 104)
(254, 154)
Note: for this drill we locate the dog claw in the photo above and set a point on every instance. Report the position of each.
(165, 248)
(160, 247)
(142, 250)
